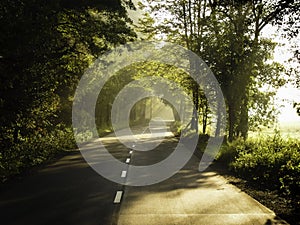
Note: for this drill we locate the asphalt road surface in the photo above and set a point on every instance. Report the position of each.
(70, 192)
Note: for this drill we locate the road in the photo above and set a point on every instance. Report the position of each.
(70, 192)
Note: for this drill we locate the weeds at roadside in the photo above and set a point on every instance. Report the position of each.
(271, 162)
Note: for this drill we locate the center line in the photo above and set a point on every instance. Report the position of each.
(124, 172)
(118, 197)
(127, 160)
(130, 152)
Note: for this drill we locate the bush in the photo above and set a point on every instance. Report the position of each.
(229, 151)
(176, 128)
(272, 161)
(290, 176)
(34, 150)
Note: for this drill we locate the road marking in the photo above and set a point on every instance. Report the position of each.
(127, 160)
(118, 197)
(124, 172)
(130, 152)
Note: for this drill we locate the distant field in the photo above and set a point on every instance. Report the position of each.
(287, 129)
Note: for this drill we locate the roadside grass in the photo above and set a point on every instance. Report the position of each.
(270, 163)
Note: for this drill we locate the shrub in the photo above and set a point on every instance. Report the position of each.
(290, 175)
(34, 150)
(271, 161)
(229, 151)
(176, 128)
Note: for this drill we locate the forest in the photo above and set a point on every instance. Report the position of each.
(46, 46)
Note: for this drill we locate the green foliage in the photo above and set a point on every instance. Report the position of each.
(229, 151)
(226, 35)
(34, 150)
(290, 173)
(202, 142)
(271, 161)
(45, 46)
(176, 128)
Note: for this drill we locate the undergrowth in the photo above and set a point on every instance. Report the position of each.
(273, 162)
(33, 150)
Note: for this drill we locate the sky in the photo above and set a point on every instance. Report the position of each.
(286, 97)
(288, 94)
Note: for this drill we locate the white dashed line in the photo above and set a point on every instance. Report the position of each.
(130, 152)
(124, 172)
(118, 197)
(127, 160)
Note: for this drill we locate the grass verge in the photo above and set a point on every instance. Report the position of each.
(268, 169)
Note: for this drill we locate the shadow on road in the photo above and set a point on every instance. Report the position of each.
(70, 192)
(66, 192)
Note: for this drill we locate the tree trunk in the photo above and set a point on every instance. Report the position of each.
(219, 119)
(231, 118)
(194, 122)
(204, 123)
(244, 119)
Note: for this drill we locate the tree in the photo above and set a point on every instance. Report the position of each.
(226, 34)
(184, 27)
(45, 46)
(257, 15)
